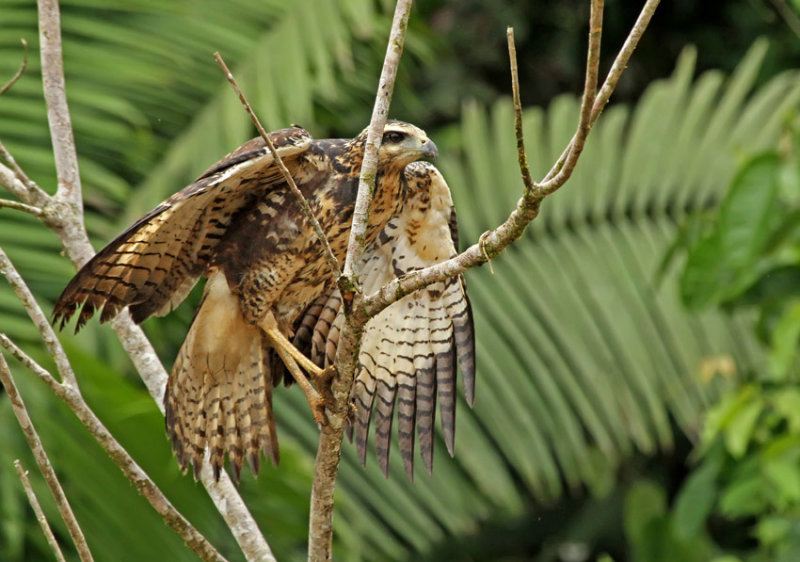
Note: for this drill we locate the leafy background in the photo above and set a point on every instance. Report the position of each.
(610, 419)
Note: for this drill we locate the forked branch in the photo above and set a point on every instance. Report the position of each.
(494, 241)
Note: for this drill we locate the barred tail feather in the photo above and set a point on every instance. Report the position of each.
(219, 392)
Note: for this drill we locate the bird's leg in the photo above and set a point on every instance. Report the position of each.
(314, 399)
(294, 360)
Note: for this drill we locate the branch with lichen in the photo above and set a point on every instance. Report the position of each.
(359, 308)
(46, 468)
(495, 241)
(326, 467)
(69, 392)
(63, 214)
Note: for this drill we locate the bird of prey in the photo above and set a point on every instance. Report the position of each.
(240, 227)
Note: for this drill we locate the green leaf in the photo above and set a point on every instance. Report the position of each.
(721, 265)
(784, 474)
(740, 427)
(785, 338)
(645, 503)
(696, 498)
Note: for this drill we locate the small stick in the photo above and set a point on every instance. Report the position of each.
(31, 193)
(35, 444)
(25, 208)
(7, 86)
(333, 263)
(138, 477)
(37, 509)
(39, 320)
(522, 155)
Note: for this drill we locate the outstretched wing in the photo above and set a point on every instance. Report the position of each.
(409, 351)
(153, 265)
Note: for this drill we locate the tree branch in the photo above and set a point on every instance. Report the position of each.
(54, 87)
(369, 166)
(37, 510)
(7, 86)
(17, 206)
(18, 182)
(527, 208)
(35, 444)
(72, 398)
(326, 467)
(63, 213)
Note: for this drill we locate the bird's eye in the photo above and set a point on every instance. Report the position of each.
(393, 136)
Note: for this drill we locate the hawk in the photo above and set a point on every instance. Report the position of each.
(267, 282)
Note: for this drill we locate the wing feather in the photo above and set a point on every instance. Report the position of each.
(410, 350)
(154, 264)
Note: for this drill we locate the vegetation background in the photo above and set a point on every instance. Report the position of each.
(637, 350)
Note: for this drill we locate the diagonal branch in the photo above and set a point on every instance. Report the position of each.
(37, 510)
(333, 263)
(18, 182)
(23, 65)
(72, 398)
(39, 320)
(369, 166)
(35, 444)
(63, 214)
(494, 241)
(326, 467)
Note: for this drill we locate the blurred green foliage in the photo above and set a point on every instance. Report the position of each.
(745, 255)
(590, 380)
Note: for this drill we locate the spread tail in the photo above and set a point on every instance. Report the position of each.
(219, 393)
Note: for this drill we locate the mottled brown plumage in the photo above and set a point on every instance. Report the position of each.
(240, 226)
(409, 350)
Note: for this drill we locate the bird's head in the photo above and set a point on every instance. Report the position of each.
(404, 143)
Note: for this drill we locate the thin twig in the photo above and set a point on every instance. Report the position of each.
(72, 398)
(522, 155)
(37, 510)
(566, 164)
(64, 215)
(46, 468)
(7, 86)
(28, 191)
(527, 208)
(17, 206)
(369, 166)
(326, 467)
(39, 319)
(333, 263)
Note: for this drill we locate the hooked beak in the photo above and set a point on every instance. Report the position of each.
(429, 149)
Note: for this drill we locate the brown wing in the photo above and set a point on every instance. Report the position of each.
(409, 350)
(153, 265)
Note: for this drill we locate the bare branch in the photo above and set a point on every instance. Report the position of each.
(35, 444)
(17, 206)
(369, 166)
(494, 241)
(39, 319)
(7, 86)
(522, 155)
(72, 398)
(37, 510)
(563, 168)
(55, 96)
(326, 467)
(624, 55)
(18, 182)
(333, 263)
